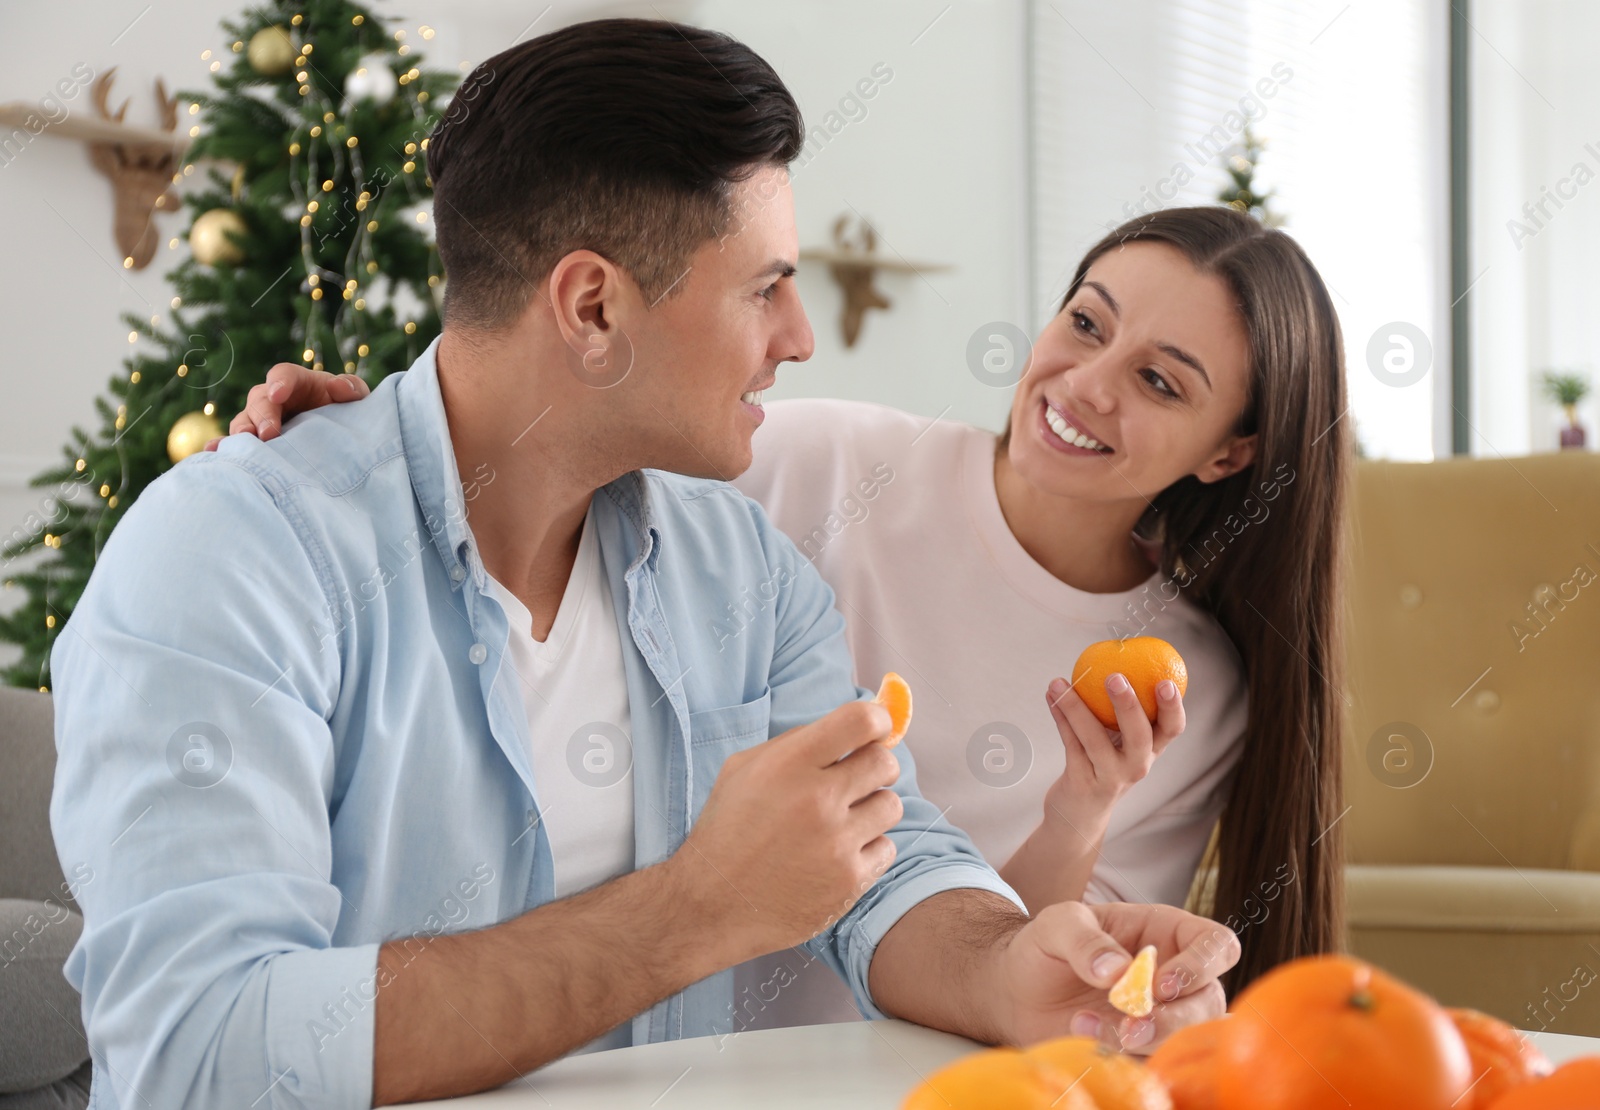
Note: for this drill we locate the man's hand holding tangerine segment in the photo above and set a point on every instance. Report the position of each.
(1191, 954)
(816, 799)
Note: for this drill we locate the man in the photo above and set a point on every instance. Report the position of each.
(385, 806)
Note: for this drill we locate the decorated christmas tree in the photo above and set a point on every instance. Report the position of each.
(309, 237)
(1240, 192)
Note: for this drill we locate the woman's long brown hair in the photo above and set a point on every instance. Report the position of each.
(1271, 571)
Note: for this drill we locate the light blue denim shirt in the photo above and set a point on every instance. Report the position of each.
(287, 732)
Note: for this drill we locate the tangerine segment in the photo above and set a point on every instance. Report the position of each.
(1134, 993)
(895, 696)
(1143, 660)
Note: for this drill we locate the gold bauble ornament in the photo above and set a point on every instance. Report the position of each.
(206, 239)
(190, 433)
(270, 52)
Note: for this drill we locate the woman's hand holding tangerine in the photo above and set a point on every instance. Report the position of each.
(1103, 763)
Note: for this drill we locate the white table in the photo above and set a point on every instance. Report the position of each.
(859, 1064)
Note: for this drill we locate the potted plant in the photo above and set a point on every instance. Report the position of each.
(1567, 390)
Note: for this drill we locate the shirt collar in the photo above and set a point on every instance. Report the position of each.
(432, 463)
(431, 458)
(631, 495)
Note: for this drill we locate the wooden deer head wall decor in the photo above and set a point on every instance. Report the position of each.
(141, 176)
(855, 277)
(854, 260)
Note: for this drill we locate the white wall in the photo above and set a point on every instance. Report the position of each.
(938, 164)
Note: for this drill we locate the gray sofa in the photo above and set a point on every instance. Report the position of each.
(44, 1056)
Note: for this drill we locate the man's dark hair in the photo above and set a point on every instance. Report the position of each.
(620, 136)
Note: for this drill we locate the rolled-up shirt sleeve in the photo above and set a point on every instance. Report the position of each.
(192, 796)
(811, 675)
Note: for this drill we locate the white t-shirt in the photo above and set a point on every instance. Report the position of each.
(576, 696)
(900, 516)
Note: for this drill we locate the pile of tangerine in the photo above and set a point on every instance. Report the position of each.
(1318, 1033)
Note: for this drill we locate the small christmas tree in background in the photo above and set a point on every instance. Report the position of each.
(1240, 191)
(314, 247)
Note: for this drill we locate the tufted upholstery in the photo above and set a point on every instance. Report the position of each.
(44, 1054)
(29, 867)
(1473, 765)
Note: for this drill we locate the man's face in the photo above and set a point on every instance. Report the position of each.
(717, 338)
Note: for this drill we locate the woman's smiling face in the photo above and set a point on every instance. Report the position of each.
(1138, 381)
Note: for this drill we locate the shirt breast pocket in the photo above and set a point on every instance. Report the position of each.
(715, 734)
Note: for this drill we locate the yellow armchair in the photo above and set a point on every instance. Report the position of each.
(1473, 765)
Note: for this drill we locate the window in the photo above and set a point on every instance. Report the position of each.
(1132, 104)
(1534, 158)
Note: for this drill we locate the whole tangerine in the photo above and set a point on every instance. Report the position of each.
(996, 1077)
(1104, 1079)
(1187, 1063)
(1333, 1032)
(1575, 1085)
(1502, 1058)
(1067, 1073)
(1143, 660)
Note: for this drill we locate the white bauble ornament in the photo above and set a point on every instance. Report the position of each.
(371, 79)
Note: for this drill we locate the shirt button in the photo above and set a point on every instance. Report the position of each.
(477, 653)
(457, 573)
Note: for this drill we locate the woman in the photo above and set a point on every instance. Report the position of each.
(1175, 464)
